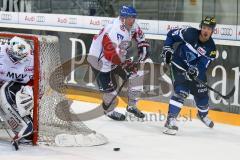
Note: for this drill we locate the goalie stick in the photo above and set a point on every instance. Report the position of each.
(229, 95)
(14, 142)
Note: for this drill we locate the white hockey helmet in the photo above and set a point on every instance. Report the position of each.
(19, 49)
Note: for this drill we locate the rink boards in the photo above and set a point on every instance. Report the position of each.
(156, 107)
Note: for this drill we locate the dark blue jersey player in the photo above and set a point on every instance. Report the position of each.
(195, 51)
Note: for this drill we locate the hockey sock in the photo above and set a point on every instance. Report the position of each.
(203, 110)
(175, 106)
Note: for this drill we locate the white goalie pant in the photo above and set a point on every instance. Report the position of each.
(14, 98)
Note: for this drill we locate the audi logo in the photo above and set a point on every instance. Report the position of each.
(40, 19)
(104, 22)
(226, 31)
(72, 20)
(6, 16)
(144, 26)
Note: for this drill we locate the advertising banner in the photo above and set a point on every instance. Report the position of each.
(8, 17)
(165, 26)
(238, 32)
(91, 22)
(148, 26)
(153, 27)
(225, 32)
(48, 19)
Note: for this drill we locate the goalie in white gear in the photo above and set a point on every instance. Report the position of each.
(16, 95)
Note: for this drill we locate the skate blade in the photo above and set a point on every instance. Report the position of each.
(169, 131)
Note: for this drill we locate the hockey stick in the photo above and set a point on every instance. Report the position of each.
(229, 95)
(13, 141)
(119, 90)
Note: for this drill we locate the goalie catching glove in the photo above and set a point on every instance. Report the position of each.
(24, 100)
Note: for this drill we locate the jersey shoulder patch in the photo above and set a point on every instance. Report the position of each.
(213, 54)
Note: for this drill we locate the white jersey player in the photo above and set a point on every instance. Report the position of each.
(16, 95)
(107, 57)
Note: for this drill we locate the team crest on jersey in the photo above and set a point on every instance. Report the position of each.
(201, 50)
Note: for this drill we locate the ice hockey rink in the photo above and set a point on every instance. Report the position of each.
(138, 140)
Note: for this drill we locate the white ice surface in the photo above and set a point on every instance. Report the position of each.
(139, 140)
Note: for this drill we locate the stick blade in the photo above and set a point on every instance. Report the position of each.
(15, 145)
(230, 94)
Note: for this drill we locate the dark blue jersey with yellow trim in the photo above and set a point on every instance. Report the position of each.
(191, 51)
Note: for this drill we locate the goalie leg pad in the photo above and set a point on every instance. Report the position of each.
(24, 101)
(21, 127)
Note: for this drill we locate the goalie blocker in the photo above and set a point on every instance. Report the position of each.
(16, 103)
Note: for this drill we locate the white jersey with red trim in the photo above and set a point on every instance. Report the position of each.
(21, 72)
(116, 34)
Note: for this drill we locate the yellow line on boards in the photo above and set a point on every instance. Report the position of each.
(156, 107)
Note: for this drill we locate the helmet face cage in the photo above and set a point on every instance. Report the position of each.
(128, 11)
(208, 21)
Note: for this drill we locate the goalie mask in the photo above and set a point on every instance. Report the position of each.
(18, 49)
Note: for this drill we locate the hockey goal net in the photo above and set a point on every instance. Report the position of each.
(49, 92)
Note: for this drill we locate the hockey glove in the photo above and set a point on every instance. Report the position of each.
(192, 72)
(130, 66)
(143, 50)
(167, 54)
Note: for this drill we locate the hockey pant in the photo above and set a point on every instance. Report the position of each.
(108, 86)
(182, 88)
